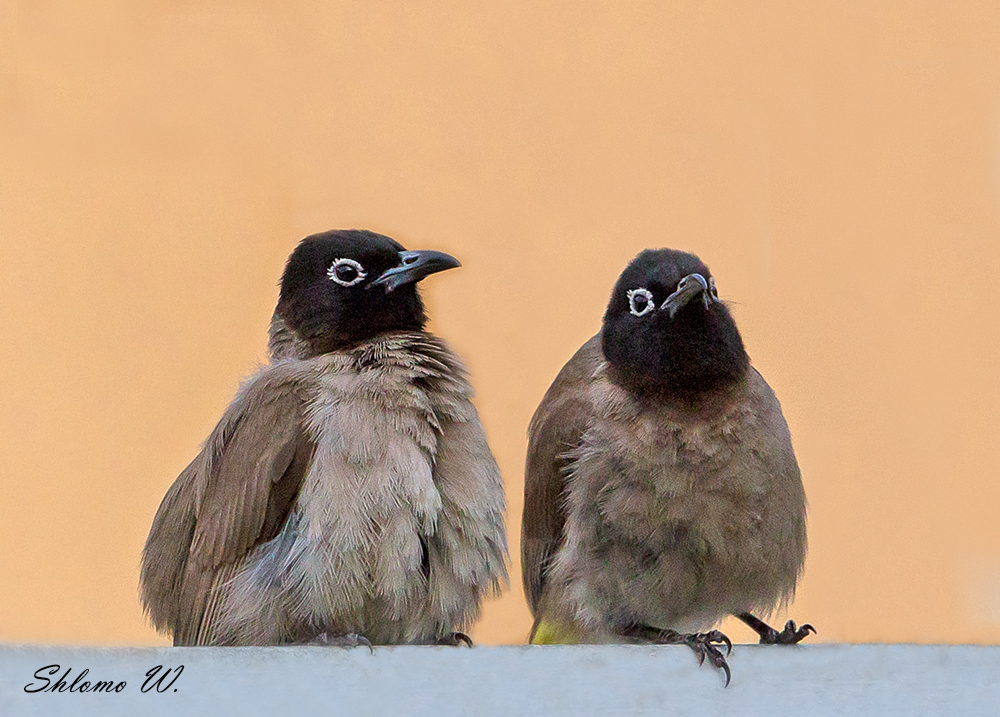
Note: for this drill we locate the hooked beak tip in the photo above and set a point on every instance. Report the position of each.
(687, 288)
(414, 266)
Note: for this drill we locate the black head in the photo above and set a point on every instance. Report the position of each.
(667, 333)
(342, 287)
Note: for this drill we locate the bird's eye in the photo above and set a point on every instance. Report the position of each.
(346, 272)
(711, 286)
(640, 301)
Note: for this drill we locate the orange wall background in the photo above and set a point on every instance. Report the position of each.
(834, 162)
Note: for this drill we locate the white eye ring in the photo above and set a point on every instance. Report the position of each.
(711, 286)
(644, 293)
(337, 263)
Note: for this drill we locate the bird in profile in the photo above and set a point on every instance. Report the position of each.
(348, 494)
(661, 490)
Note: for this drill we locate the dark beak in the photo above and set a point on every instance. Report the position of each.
(414, 266)
(687, 288)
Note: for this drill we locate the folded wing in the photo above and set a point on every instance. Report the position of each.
(234, 495)
(556, 428)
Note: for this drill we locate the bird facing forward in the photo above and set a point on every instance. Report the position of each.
(661, 490)
(348, 493)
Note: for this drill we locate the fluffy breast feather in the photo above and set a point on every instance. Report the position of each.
(352, 556)
(673, 512)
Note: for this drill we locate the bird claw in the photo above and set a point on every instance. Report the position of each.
(350, 639)
(716, 636)
(704, 644)
(454, 639)
(790, 635)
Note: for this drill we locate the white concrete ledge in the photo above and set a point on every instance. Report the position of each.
(504, 681)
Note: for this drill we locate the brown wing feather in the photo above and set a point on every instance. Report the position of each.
(556, 428)
(164, 557)
(235, 495)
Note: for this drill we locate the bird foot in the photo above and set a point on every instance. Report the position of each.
(705, 645)
(328, 639)
(790, 635)
(454, 639)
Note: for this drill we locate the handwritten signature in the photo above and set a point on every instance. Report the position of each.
(158, 679)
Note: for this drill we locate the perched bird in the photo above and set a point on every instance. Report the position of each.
(348, 494)
(661, 491)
